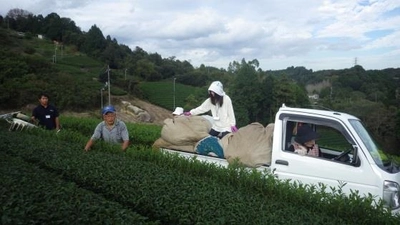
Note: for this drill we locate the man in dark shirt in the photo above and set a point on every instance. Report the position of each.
(46, 115)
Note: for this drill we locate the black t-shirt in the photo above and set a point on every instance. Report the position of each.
(46, 116)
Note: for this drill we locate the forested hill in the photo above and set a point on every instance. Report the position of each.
(52, 53)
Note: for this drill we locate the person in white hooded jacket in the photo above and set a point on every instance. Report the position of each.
(221, 109)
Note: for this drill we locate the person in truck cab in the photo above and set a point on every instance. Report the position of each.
(304, 142)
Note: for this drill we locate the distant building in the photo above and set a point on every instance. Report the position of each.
(314, 96)
(40, 36)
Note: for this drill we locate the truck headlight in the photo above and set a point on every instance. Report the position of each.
(391, 194)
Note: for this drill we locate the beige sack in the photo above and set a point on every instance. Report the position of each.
(161, 143)
(185, 130)
(251, 145)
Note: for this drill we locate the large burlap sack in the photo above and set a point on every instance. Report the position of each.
(161, 143)
(251, 145)
(185, 130)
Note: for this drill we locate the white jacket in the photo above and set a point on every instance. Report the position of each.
(224, 117)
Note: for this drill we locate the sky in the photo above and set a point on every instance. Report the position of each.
(316, 34)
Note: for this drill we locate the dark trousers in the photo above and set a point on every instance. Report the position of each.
(218, 134)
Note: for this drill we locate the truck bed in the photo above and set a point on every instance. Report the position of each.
(208, 158)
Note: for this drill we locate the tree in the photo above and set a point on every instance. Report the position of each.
(113, 55)
(156, 59)
(53, 27)
(378, 119)
(283, 92)
(246, 94)
(95, 42)
(397, 125)
(146, 70)
(267, 110)
(16, 13)
(17, 19)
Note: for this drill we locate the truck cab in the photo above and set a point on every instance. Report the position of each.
(350, 159)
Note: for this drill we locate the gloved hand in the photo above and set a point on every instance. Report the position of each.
(301, 151)
(187, 114)
(234, 129)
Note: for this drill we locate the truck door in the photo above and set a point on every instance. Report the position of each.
(337, 167)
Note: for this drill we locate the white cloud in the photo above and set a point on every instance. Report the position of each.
(390, 41)
(316, 34)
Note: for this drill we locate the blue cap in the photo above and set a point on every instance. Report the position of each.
(108, 109)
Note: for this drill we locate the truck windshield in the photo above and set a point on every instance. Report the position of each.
(381, 158)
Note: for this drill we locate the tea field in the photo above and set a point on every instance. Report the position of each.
(47, 178)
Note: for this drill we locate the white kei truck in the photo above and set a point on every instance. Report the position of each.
(349, 155)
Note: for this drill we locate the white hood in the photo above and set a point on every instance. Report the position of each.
(217, 88)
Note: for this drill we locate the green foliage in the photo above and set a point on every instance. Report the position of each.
(24, 76)
(162, 94)
(94, 42)
(245, 98)
(146, 70)
(257, 96)
(28, 57)
(48, 172)
(79, 61)
(84, 128)
(195, 78)
(42, 196)
(29, 50)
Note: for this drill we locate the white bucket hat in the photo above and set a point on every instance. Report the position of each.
(178, 111)
(217, 88)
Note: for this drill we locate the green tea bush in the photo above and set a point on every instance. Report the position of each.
(173, 190)
(139, 134)
(32, 195)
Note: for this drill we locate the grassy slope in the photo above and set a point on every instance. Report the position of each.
(86, 70)
(162, 93)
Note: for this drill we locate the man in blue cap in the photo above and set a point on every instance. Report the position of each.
(110, 130)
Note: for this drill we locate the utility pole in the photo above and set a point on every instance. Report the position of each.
(174, 94)
(109, 85)
(101, 93)
(55, 54)
(125, 73)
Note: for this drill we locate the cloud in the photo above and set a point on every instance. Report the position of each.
(317, 34)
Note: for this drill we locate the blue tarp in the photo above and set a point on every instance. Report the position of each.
(210, 144)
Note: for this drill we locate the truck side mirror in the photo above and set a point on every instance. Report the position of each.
(356, 160)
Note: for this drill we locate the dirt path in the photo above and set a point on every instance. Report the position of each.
(158, 114)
